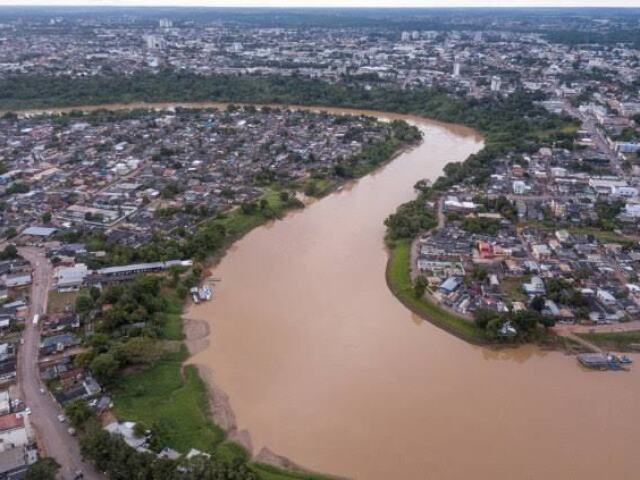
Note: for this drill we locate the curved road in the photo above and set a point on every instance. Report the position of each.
(51, 434)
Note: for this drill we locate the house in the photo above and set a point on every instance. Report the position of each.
(450, 285)
(534, 287)
(126, 431)
(40, 232)
(540, 251)
(15, 462)
(519, 187)
(19, 279)
(58, 343)
(5, 402)
(13, 431)
(69, 279)
(605, 297)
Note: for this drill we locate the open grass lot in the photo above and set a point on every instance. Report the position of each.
(172, 318)
(58, 301)
(512, 288)
(400, 284)
(171, 400)
(617, 341)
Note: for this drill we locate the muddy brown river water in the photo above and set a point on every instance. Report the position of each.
(323, 365)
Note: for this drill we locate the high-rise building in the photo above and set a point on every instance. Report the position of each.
(496, 83)
(456, 69)
(165, 23)
(153, 42)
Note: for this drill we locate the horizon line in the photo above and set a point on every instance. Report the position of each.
(355, 5)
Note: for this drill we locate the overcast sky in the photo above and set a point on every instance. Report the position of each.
(336, 3)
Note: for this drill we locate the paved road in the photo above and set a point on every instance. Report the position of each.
(52, 435)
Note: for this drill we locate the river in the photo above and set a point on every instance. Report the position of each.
(323, 365)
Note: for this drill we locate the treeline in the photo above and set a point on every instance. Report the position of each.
(110, 454)
(130, 322)
(529, 324)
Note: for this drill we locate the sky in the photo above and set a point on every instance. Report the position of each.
(334, 3)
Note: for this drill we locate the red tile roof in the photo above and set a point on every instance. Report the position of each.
(10, 421)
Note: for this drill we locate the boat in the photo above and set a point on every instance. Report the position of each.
(196, 300)
(598, 361)
(205, 293)
(623, 359)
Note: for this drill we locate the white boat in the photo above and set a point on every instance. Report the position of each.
(205, 293)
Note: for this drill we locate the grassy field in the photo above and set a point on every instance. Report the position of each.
(512, 288)
(399, 281)
(58, 301)
(617, 341)
(172, 318)
(170, 400)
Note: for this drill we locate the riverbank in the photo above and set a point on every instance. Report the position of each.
(398, 276)
(180, 401)
(628, 341)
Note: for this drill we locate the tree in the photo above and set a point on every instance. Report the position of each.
(483, 316)
(139, 350)
(9, 252)
(46, 217)
(547, 321)
(104, 366)
(84, 304)
(419, 286)
(537, 303)
(78, 412)
(44, 469)
(94, 292)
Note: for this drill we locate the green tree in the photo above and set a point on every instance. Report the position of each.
(419, 286)
(483, 316)
(45, 468)
(84, 304)
(104, 366)
(78, 412)
(537, 303)
(9, 252)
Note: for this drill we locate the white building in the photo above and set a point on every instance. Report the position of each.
(13, 432)
(456, 69)
(496, 83)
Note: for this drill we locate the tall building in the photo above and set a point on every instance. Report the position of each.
(456, 69)
(496, 83)
(405, 36)
(165, 23)
(153, 42)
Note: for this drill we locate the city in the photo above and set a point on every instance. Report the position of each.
(204, 208)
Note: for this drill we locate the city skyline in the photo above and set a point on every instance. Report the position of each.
(336, 3)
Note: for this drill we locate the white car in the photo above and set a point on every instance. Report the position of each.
(62, 418)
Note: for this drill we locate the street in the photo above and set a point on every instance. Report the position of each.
(52, 435)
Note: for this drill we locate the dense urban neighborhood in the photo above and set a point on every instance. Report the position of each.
(110, 215)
